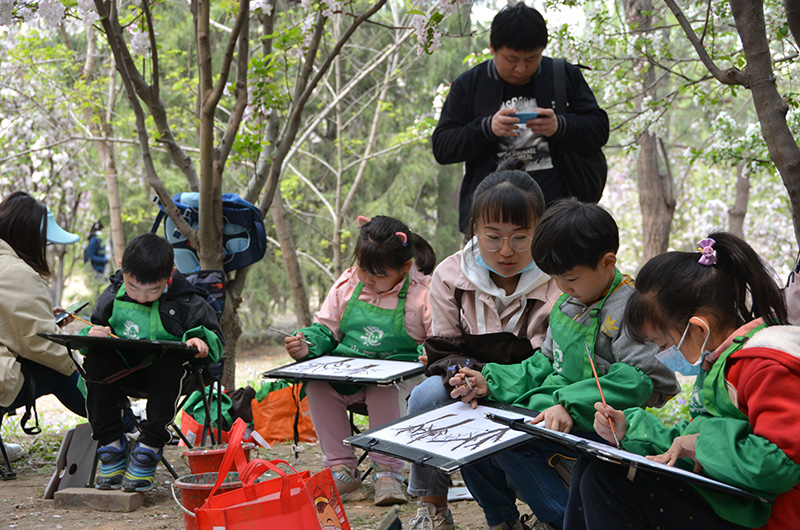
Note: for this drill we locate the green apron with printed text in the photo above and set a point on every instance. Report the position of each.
(132, 320)
(374, 332)
(570, 362)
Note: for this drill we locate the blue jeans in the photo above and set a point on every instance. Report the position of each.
(428, 395)
(495, 483)
(49, 381)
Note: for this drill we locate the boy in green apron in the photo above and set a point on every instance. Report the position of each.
(576, 244)
(147, 299)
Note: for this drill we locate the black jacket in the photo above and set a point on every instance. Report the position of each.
(182, 307)
(464, 133)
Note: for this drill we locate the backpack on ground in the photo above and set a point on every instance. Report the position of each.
(244, 238)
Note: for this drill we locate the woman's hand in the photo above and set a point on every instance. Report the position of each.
(295, 347)
(200, 345)
(424, 357)
(68, 318)
(469, 385)
(601, 425)
(556, 418)
(682, 447)
(100, 331)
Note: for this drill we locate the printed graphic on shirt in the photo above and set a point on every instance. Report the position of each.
(130, 330)
(558, 358)
(533, 149)
(609, 326)
(372, 336)
(696, 406)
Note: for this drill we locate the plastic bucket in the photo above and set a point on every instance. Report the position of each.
(208, 460)
(195, 489)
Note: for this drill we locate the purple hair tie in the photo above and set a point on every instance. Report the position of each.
(708, 254)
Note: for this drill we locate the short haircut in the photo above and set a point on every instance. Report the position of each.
(573, 233)
(518, 27)
(509, 195)
(148, 258)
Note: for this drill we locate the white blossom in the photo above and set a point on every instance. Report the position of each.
(140, 42)
(264, 6)
(87, 12)
(51, 11)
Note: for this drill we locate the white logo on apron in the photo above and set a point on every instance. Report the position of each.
(558, 358)
(130, 330)
(372, 336)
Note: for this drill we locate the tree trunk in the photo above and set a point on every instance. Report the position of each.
(447, 181)
(737, 212)
(770, 106)
(289, 254)
(655, 197)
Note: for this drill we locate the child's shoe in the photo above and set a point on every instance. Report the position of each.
(388, 487)
(113, 463)
(348, 484)
(14, 451)
(428, 519)
(141, 469)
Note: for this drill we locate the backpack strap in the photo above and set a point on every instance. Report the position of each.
(560, 84)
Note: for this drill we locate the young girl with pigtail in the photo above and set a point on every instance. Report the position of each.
(359, 318)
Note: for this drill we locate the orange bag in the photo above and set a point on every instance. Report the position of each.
(283, 415)
(296, 500)
(194, 431)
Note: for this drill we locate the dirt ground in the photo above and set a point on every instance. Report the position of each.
(22, 505)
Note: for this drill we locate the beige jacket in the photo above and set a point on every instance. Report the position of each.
(484, 307)
(25, 310)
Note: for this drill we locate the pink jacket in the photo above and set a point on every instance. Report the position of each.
(417, 309)
(496, 314)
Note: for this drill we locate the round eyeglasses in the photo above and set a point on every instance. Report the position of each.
(493, 242)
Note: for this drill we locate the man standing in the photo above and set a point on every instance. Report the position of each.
(478, 126)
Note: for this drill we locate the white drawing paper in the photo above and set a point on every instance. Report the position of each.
(455, 430)
(330, 366)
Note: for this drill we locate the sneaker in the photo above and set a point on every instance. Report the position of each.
(14, 451)
(428, 519)
(515, 525)
(348, 484)
(388, 487)
(141, 469)
(113, 462)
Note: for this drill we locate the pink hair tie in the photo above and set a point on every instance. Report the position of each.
(362, 221)
(708, 254)
(403, 237)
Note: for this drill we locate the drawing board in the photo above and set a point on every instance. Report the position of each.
(446, 438)
(610, 453)
(141, 346)
(347, 370)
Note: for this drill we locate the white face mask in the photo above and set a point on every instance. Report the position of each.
(673, 359)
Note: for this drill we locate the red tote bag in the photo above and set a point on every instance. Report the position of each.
(290, 501)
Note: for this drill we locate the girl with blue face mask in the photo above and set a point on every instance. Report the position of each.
(489, 303)
(715, 314)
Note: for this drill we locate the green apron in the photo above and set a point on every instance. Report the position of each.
(571, 336)
(132, 320)
(375, 332)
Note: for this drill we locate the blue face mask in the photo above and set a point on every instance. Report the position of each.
(482, 264)
(673, 359)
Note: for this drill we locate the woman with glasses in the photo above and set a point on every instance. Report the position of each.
(489, 303)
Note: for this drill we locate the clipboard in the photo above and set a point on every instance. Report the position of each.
(138, 346)
(447, 438)
(609, 453)
(357, 370)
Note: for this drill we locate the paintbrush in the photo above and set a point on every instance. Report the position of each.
(602, 397)
(466, 379)
(290, 335)
(87, 322)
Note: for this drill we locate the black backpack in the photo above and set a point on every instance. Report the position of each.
(583, 171)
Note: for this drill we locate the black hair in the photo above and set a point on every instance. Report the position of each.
(573, 233)
(674, 286)
(519, 28)
(23, 225)
(148, 258)
(379, 249)
(509, 195)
